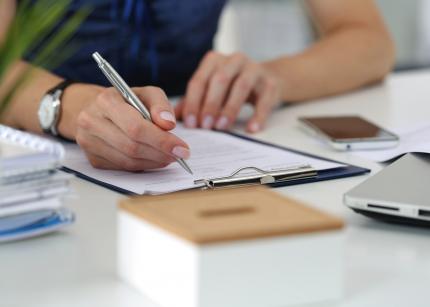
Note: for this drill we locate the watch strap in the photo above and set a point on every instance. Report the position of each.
(59, 88)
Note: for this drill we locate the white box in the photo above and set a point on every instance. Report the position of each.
(197, 249)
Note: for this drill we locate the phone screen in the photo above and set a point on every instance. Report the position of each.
(348, 127)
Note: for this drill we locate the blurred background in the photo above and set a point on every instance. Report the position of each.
(256, 26)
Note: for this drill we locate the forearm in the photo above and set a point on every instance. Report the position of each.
(22, 111)
(344, 59)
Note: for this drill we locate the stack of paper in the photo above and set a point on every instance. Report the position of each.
(31, 188)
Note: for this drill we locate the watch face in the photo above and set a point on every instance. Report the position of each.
(47, 112)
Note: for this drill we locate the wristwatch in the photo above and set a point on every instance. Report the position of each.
(50, 108)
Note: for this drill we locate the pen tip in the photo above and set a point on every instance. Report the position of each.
(189, 170)
(186, 167)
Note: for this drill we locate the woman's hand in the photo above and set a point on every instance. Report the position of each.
(221, 85)
(114, 135)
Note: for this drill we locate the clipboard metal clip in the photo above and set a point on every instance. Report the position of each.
(259, 176)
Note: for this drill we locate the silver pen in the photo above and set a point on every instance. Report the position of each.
(126, 92)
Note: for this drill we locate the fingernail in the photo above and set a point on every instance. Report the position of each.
(166, 115)
(254, 127)
(208, 122)
(222, 123)
(181, 152)
(191, 121)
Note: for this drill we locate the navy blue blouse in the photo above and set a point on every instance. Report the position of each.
(149, 42)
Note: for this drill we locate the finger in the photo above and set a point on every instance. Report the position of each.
(263, 108)
(179, 108)
(218, 87)
(112, 135)
(101, 163)
(96, 147)
(197, 87)
(239, 93)
(140, 130)
(161, 110)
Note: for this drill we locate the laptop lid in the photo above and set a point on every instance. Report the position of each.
(400, 192)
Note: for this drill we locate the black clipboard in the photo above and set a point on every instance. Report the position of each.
(348, 170)
(335, 173)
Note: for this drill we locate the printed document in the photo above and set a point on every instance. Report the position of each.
(213, 154)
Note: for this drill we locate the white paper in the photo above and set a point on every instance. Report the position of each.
(412, 139)
(32, 206)
(213, 154)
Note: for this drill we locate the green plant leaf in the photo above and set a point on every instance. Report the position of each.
(33, 26)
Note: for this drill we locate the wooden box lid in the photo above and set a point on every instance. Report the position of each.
(231, 214)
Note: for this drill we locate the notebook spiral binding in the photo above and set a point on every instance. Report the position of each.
(37, 143)
(43, 158)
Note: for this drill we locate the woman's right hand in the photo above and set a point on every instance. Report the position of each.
(114, 135)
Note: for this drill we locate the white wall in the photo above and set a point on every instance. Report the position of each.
(264, 29)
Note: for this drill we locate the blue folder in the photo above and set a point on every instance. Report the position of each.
(32, 224)
(341, 172)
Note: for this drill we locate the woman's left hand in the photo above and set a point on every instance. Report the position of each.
(221, 85)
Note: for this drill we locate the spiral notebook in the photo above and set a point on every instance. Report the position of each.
(31, 187)
(25, 154)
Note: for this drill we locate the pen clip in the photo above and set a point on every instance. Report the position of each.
(259, 177)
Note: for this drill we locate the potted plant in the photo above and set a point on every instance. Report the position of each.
(36, 22)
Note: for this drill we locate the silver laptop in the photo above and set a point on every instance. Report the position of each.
(398, 193)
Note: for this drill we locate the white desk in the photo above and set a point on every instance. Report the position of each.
(386, 265)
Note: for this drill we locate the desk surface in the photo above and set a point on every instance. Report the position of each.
(386, 265)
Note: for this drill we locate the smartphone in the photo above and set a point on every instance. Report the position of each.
(349, 132)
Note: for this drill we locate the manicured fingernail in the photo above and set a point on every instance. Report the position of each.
(208, 122)
(254, 127)
(181, 152)
(166, 115)
(222, 123)
(191, 121)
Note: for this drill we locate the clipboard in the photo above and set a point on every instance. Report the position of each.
(258, 176)
(308, 176)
